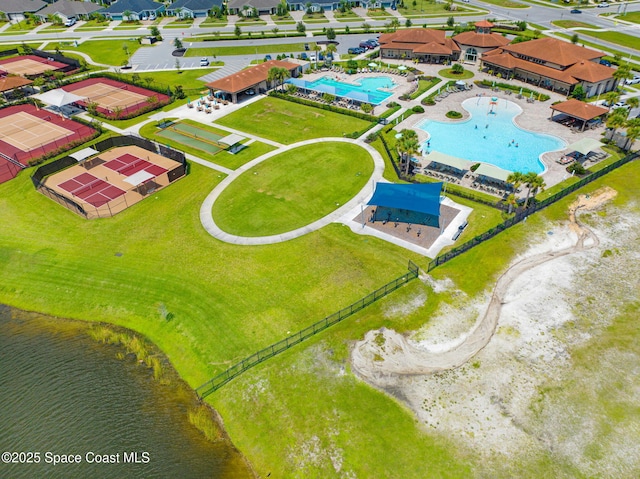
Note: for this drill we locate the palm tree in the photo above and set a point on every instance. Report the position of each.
(622, 73)
(317, 48)
(277, 75)
(407, 146)
(633, 133)
(332, 49)
(515, 179)
(534, 183)
(512, 202)
(633, 102)
(617, 120)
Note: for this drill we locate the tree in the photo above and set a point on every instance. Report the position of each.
(126, 15)
(275, 30)
(301, 27)
(117, 111)
(347, 30)
(331, 34)
(622, 73)
(178, 92)
(366, 108)
(277, 75)
(408, 23)
(328, 98)
(575, 38)
(331, 51)
(178, 66)
(515, 179)
(616, 120)
(366, 27)
(291, 89)
(237, 31)
(407, 146)
(512, 202)
(578, 92)
(177, 43)
(457, 69)
(633, 102)
(155, 31)
(533, 183)
(450, 22)
(316, 48)
(633, 133)
(394, 24)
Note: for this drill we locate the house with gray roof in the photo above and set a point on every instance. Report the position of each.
(15, 9)
(66, 9)
(136, 9)
(193, 8)
(263, 7)
(314, 5)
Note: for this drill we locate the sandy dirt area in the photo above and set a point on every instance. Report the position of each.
(476, 371)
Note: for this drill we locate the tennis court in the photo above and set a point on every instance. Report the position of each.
(192, 136)
(92, 190)
(27, 132)
(30, 65)
(113, 96)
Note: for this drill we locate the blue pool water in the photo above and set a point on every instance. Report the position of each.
(491, 136)
(369, 86)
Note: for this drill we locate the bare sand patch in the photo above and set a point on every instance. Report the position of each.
(497, 374)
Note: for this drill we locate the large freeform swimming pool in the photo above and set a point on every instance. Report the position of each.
(491, 136)
(370, 90)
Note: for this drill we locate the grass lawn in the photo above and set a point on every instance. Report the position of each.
(229, 301)
(633, 17)
(222, 158)
(423, 7)
(21, 26)
(618, 38)
(293, 189)
(378, 13)
(188, 79)
(93, 25)
(448, 73)
(296, 122)
(315, 17)
(286, 19)
(595, 46)
(246, 50)
(108, 52)
(348, 16)
(424, 85)
(53, 28)
(506, 4)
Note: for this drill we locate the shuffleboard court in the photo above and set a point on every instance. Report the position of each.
(27, 132)
(29, 65)
(192, 136)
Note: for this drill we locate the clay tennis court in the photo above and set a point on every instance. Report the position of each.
(113, 180)
(115, 99)
(27, 132)
(29, 65)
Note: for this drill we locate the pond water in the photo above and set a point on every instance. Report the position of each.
(64, 393)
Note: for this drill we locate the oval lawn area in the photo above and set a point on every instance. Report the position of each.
(293, 189)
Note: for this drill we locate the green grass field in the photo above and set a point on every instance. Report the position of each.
(246, 50)
(293, 189)
(109, 52)
(297, 122)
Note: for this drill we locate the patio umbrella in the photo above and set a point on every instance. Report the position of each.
(493, 84)
(520, 91)
(531, 96)
(373, 65)
(402, 67)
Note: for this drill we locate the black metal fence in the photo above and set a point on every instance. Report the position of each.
(223, 378)
(533, 207)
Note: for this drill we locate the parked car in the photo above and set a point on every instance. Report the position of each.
(304, 56)
(366, 45)
(71, 21)
(603, 5)
(355, 51)
(306, 46)
(152, 16)
(621, 104)
(144, 18)
(204, 62)
(632, 81)
(575, 10)
(267, 58)
(374, 42)
(606, 63)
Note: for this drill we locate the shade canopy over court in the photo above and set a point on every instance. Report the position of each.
(58, 97)
(422, 198)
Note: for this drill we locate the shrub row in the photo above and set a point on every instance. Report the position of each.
(508, 86)
(323, 106)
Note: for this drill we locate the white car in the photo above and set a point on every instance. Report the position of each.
(204, 62)
(70, 22)
(632, 81)
(621, 104)
(603, 5)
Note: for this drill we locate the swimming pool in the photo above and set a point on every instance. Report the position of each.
(370, 90)
(491, 136)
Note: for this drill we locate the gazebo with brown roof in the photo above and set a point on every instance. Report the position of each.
(579, 110)
(11, 82)
(252, 78)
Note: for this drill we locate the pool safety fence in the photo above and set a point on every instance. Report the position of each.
(533, 207)
(237, 369)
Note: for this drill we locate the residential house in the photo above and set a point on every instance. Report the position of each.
(263, 7)
(15, 9)
(251, 80)
(314, 5)
(136, 9)
(422, 44)
(66, 9)
(474, 44)
(193, 8)
(552, 64)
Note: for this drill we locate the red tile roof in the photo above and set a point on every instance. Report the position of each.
(419, 41)
(484, 24)
(244, 79)
(10, 82)
(579, 109)
(481, 40)
(555, 51)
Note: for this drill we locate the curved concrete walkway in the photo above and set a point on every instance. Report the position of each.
(213, 229)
